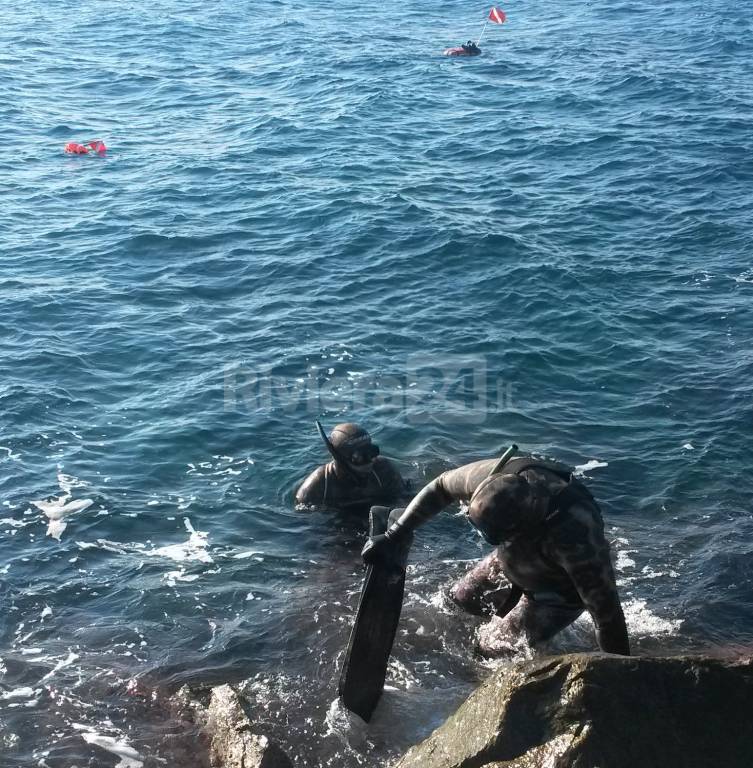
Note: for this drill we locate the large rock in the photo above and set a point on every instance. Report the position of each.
(233, 743)
(220, 714)
(601, 711)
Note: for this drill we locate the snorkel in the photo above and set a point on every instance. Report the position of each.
(503, 459)
(337, 455)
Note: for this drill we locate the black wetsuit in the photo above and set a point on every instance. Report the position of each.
(332, 486)
(541, 580)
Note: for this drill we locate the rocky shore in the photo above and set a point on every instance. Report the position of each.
(574, 711)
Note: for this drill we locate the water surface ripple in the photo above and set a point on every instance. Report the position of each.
(306, 211)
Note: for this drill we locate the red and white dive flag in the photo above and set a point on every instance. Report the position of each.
(497, 15)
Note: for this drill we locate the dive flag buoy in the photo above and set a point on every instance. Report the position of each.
(97, 147)
(496, 16)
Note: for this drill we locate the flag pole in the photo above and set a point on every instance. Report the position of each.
(482, 31)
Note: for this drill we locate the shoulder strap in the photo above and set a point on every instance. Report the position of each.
(517, 466)
(573, 493)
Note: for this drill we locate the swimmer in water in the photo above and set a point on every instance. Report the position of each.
(471, 47)
(357, 476)
(551, 560)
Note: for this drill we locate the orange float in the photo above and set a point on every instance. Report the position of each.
(97, 146)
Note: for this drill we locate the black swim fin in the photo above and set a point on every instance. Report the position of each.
(365, 665)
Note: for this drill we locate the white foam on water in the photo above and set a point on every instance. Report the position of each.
(60, 508)
(347, 727)
(11, 521)
(120, 747)
(499, 644)
(174, 576)
(400, 674)
(248, 553)
(9, 455)
(624, 560)
(18, 693)
(111, 546)
(195, 549)
(68, 482)
(688, 447)
(62, 664)
(581, 469)
(649, 573)
(642, 622)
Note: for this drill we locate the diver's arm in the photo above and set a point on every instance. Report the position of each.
(581, 549)
(453, 485)
(311, 490)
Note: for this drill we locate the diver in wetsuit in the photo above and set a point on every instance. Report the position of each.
(357, 476)
(471, 47)
(551, 560)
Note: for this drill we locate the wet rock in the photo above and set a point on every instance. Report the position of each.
(228, 737)
(190, 703)
(233, 743)
(601, 711)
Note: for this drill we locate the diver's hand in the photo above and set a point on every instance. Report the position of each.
(383, 546)
(377, 549)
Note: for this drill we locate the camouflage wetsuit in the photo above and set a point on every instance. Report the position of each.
(332, 486)
(544, 578)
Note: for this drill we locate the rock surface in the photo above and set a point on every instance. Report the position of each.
(601, 711)
(232, 744)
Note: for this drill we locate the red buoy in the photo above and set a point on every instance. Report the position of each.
(97, 146)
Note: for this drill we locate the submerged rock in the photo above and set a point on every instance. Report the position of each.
(233, 744)
(601, 711)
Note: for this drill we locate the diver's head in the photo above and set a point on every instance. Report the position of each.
(354, 444)
(505, 506)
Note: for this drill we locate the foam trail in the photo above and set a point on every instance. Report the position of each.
(10, 455)
(129, 757)
(18, 693)
(581, 469)
(61, 664)
(194, 549)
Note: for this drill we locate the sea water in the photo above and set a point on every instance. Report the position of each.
(306, 211)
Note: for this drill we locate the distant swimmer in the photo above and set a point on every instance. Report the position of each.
(357, 476)
(467, 49)
(551, 560)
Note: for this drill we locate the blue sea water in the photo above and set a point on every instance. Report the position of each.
(306, 211)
